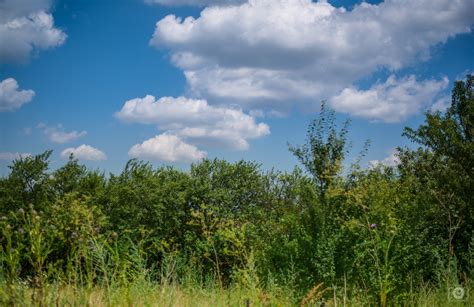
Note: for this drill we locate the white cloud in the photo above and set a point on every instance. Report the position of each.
(194, 2)
(441, 104)
(10, 156)
(84, 152)
(392, 101)
(281, 52)
(25, 26)
(10, 97)
(391, 160)
(195, 120)
(167, 148)
(56, 134)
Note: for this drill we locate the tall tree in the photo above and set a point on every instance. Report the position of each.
(444, 166)
(450, 135)
(27, 183)
(324, 151)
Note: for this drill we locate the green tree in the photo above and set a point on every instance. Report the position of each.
(318, 227)
(444, 167)
(27, 183)
(66, 178)
(323, 153)
(449, 136)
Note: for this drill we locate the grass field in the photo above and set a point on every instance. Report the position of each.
(144, 293)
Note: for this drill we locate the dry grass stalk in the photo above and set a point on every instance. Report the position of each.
(313, 295)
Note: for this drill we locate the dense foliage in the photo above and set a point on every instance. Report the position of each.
(379, 230)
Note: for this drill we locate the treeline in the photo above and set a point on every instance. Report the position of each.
(380, 231)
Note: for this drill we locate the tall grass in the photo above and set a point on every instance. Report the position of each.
(142, 293)
(99, 270)
(103, 274)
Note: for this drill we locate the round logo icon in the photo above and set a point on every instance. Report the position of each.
(458, 293)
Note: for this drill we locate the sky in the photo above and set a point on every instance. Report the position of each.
(175, 81)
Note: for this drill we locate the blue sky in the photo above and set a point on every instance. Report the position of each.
(237, 81)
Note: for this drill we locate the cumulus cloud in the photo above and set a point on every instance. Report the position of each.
(284, 51)
(195, 120)
(194, 2)
(392, 101)
(25, 26)
(391, 160)
(167, 148)
(56, 134)
(11, 98)
(84, 152)
(10, 156)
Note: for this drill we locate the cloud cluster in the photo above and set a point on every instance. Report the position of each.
(392, 101)
(392, 160)
(10, 97)
(291, 51)
(195, 120)
(167, 148)
(10, 156)
(56, 134)
(25, 26)
(84, 152)
(191, 120)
